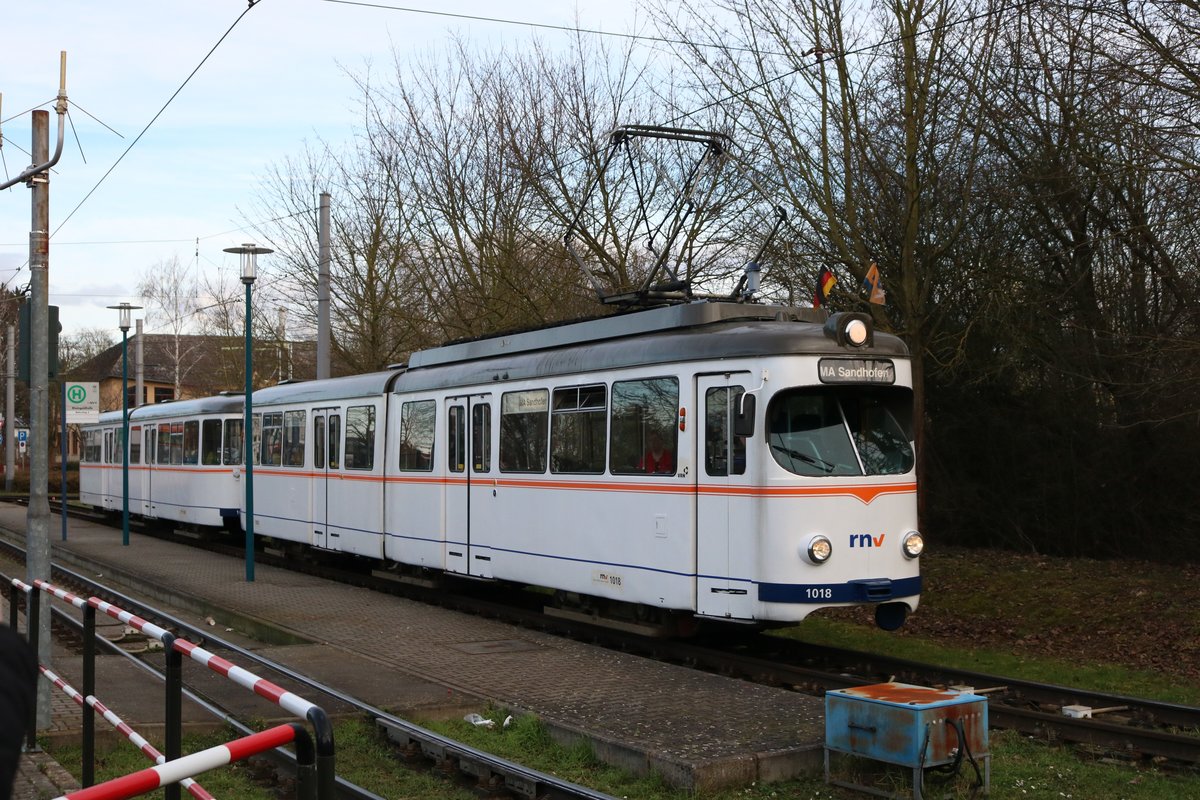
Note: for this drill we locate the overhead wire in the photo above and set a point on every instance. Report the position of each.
(821, 57)
(154, 119)
(543, 25)
(824, 55)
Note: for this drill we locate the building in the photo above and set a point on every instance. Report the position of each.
(187, 366)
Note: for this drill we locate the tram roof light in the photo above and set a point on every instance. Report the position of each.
(851, 328)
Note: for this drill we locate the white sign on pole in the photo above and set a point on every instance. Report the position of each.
(83, 402)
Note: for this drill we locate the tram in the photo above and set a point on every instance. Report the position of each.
(731, 461)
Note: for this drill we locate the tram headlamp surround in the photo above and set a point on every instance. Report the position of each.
(819, 549)
(914, 544)
(850, 329)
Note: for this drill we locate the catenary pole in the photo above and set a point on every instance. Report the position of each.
(323, 290)
(37, 528)
(139, 367)
(37, 536)
(10, 408)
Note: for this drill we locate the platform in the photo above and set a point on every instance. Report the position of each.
(698, 731)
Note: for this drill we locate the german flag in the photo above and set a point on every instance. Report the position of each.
(825, 282)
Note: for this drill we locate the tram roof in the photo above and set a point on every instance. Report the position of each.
(712, 331)
(636, 323)
(329, 389)
(217, 404)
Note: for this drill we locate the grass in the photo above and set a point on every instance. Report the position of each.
(1021, 768)
(1112, 678)
(1115, 627)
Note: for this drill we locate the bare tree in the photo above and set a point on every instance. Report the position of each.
(171, 296)
(85, 345)
(377, 316)
(443, 226)
(872, 143)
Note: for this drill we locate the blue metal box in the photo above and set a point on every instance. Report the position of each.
(912, 726)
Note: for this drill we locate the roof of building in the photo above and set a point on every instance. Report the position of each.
(210, 364)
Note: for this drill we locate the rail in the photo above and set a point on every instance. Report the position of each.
(411, 738)
(325, 778)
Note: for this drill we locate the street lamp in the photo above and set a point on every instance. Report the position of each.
(249, 256)
(125, 311)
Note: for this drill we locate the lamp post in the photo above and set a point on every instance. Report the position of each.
(249, 257)
(125, 310)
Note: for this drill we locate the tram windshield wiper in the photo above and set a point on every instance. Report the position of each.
(795, 454)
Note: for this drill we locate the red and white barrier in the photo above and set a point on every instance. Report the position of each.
(138, 741)
(150, 779)
(286, 700)
(260, 686)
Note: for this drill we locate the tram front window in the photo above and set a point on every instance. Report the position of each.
(849, 431)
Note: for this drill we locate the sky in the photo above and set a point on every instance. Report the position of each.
(276, 81)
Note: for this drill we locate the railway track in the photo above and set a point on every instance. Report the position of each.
(1125, 727)
(476, 769)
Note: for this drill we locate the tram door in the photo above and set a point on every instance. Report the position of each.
(149, 456)
(726, 518)
(467, 442)
(327, 448)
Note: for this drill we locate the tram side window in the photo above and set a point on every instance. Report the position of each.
(92, 447)
(481, 437)
(151, 443)
(210, 442)
(360, 437)
(164, 443)
(108, 447)
(523, 423)
(191, 441)
(256, 438)
(724, 453)
(577, 438)
(293, 438)
(135, 444)
(644, 426)
(456, 439)
(233, 441)
(272, 437)
(176, 443)
(416, 435)
(335, 439)
(319, 441)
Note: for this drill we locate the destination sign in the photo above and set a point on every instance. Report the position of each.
(856, 370)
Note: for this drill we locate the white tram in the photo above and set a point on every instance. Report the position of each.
(184, 461)
(740, 462)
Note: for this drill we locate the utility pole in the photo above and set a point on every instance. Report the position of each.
(37, 536)
(323, 290)
(37, 562)
(10, 408)
(139, 368)
(285, 372)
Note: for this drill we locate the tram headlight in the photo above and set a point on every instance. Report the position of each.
(914, 544)
(819, 549)
(850, 329)
(856, 332)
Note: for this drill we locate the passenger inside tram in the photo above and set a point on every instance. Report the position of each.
(658, 458)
